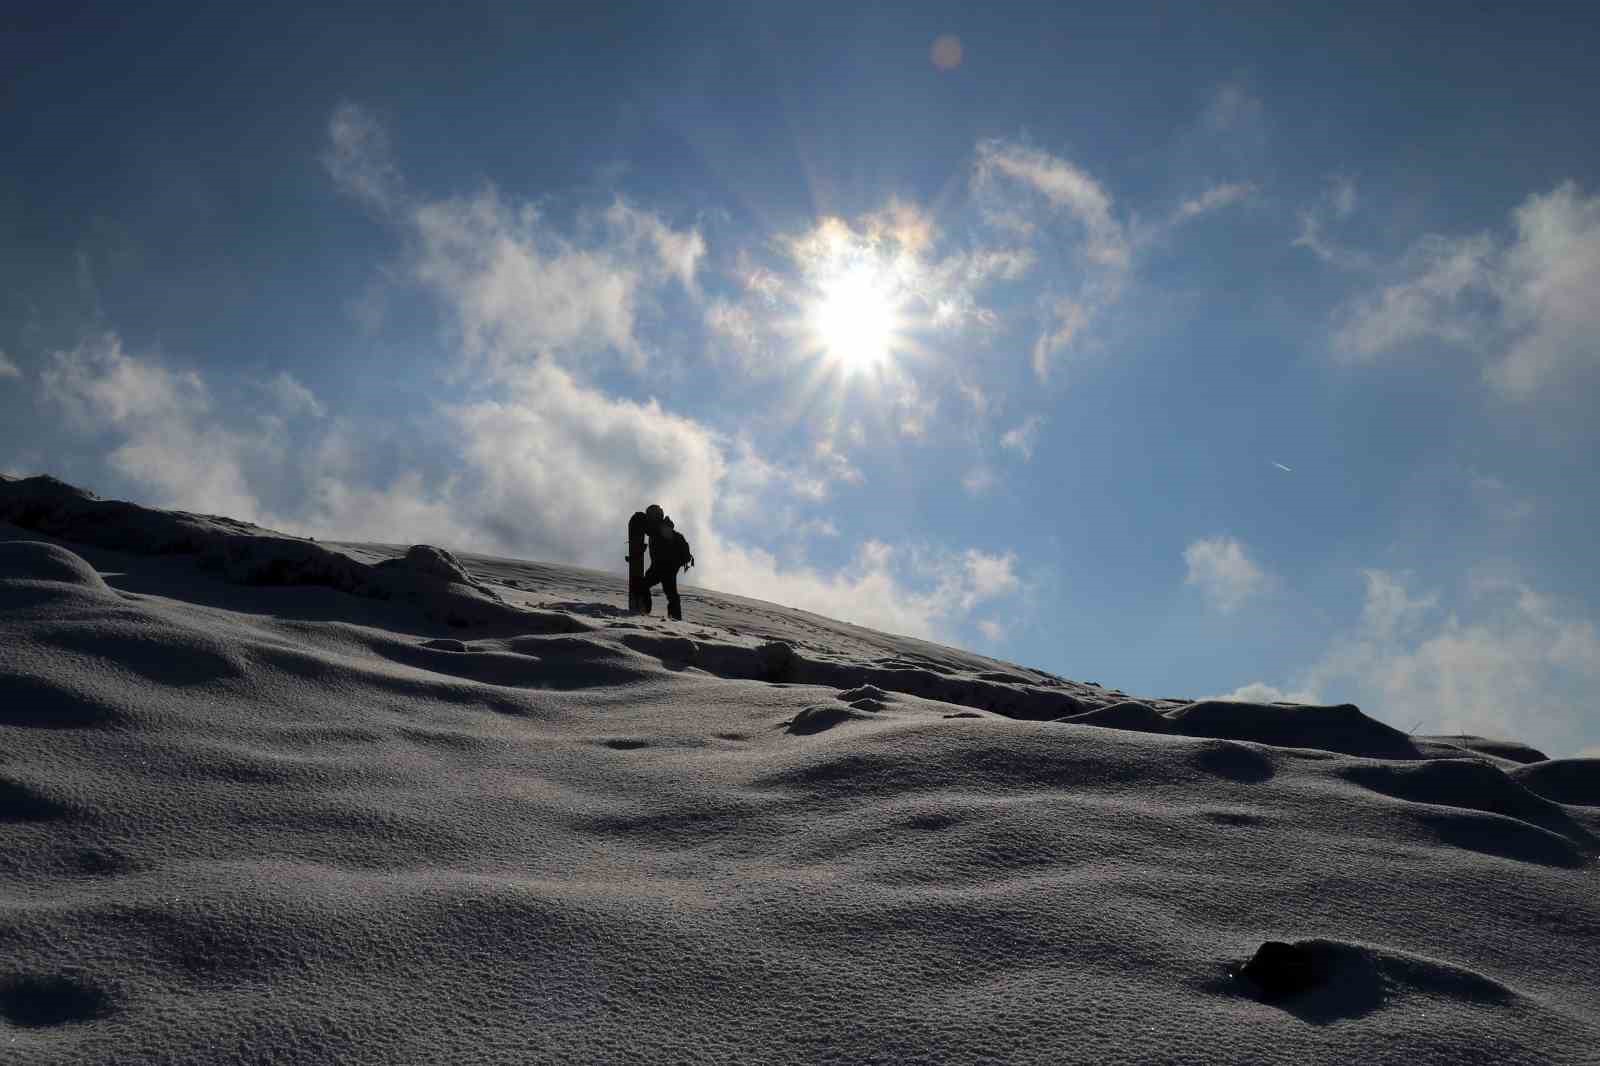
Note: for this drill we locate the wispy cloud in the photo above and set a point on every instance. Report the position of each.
(1232, 106)
(1223, 571)
(292, 398)
(1336, 203)
(8, 369)
(1065, 187)
(1021, 438)
(359, 159)
(1102, 248)
(1214, 199)
(1500, 501)
(1524, 302)
(1433, 299)
(978, 480)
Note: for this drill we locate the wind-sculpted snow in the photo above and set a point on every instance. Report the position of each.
(300, 823)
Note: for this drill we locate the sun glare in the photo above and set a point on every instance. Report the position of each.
(855, 319)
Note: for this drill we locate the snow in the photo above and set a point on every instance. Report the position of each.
(265, 799)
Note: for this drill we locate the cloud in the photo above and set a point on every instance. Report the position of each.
(1389, 610)
(992, 631)
(1065, 187)
(986, 577)
(520, 291)
(978, 480)
(1231, 107)
(519, 288)
(897, 590)
(1094, 278)
(1214, 199)
(8, 369)
(1342, 195)
(1224, 572)
(1522, 303)
(679, 253)
(358, 158)
(1337, 202)
(1066, 318)
(1021, 438)
(169, 440)
(1552, 274)
(1509, 661)
(1432, 300)
(1500, 501)
(1260, 692)
(292, 398)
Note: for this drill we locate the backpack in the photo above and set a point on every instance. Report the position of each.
(685, 556)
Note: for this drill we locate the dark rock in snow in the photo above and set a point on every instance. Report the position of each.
(1282, 971)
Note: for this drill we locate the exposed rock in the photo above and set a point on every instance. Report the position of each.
(1283, 971)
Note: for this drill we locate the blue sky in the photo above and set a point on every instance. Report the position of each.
(1193, 352)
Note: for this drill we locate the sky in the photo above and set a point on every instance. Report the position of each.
(1237, 352)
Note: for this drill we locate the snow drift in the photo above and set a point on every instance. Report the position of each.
(264, 799)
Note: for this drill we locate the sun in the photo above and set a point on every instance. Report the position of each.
(855, 318)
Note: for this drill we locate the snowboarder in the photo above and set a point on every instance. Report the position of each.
(669, 553)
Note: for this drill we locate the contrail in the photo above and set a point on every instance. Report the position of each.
(1280, 466)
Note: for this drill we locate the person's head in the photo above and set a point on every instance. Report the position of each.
(654, 512)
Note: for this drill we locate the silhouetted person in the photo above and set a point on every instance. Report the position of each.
(669, 553)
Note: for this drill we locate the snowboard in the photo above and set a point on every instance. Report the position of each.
(638, 595)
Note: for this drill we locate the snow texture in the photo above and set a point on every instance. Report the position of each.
(269, 800)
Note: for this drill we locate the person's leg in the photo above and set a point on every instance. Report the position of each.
(645, 583)
(669, 585)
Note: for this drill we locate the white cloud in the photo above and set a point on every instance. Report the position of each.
(992, 631)
(8, 369)
(1065, 187)
(679, 253)
(1215, 199)
(1525, 304)
(293, 399)
(1260, 692)
(1434, 299)
(1021, 438)
(1552, 276)
(521, 291)
(170, 440)
(1066, 318)
(1103, 257)
(1223, 571)
(1389, 609)
(986, 577)
(519, 288)
(1508, 662)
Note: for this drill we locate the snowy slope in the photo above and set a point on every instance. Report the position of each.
(265, 800)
